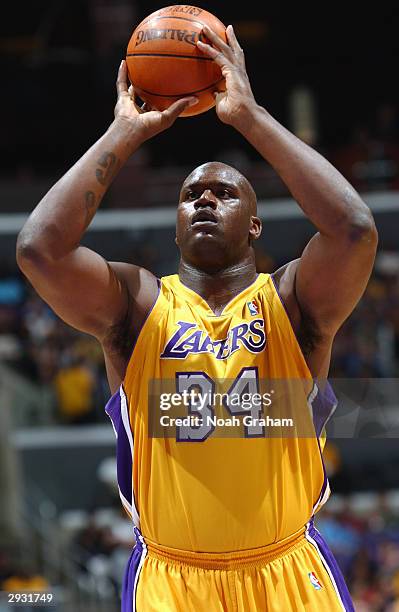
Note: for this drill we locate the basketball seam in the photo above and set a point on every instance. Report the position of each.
(179, 95)
(208, 59)
(173, 17)
(182, 19)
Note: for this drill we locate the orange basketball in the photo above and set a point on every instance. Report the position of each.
(164, 63)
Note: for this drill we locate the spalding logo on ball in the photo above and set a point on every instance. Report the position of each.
(164, 63)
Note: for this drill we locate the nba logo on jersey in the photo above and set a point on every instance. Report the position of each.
(315, 581)
(253, 309)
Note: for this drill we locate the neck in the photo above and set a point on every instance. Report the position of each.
(220, 288)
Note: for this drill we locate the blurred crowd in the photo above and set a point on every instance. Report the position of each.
(368, 158)
(51, 355)
(367, 345)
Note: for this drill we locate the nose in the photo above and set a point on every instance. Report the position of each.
(206, 199)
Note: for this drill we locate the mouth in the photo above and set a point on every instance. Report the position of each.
(204, 217)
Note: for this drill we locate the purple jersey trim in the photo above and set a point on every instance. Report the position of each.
(323, 406)
(331, 565)
(124, 461)
(118, 411)
(132, 573)
(124, 447)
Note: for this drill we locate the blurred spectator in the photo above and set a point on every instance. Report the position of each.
(5, 566)
(25, 578)
(75, 386)
(367, 345)
(341, 536)
(38, 318)
(92, 540)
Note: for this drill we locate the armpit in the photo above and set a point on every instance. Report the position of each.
(308, 335)
(303, 324)
(120, 337)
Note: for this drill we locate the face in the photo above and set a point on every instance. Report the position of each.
(216, 217)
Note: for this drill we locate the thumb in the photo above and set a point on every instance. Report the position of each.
(178, 107)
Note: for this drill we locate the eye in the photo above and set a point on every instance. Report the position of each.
(191, 195)
(223, 193)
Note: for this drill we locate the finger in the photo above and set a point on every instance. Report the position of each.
(218, 57)
(143, 106)
(121, 81)
(216, 40)
(132, 96)
(178, 107)
(232, 39)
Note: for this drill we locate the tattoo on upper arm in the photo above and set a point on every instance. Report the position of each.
(110, 164)
(90, 205)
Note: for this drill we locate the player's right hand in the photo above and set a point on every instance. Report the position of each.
(147, 121)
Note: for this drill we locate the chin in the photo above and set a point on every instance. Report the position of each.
(207, 245)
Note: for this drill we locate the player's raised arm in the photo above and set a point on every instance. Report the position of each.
(85, 290)
(332, 273)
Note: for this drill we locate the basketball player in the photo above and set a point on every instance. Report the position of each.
(220, 523)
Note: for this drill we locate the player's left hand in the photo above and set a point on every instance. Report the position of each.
(231, 105)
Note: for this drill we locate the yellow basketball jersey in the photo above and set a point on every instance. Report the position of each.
(201, 490)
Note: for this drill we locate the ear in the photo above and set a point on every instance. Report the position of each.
(255, 228)
(176, 241)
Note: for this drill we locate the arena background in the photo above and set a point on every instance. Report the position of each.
(329, 75)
